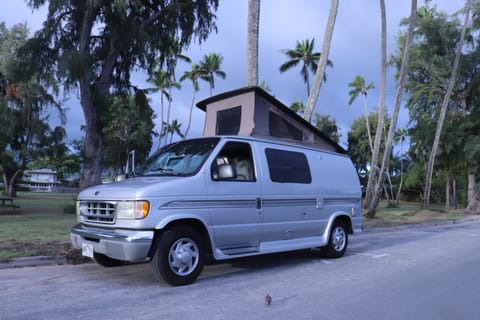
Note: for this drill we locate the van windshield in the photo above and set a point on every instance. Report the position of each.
(181, 158)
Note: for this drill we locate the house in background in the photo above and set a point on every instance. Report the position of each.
(45, 180)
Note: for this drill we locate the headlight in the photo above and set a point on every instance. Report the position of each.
(132, 209)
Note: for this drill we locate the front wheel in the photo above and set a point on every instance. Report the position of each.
(337, 242)
(179, 256)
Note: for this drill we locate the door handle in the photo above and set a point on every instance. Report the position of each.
(259, 203)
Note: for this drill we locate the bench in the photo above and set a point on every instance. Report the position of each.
(7, 202)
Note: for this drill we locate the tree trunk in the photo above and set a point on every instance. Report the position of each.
(474, 205)
(471, 187)
(92, 166)
(93, 140)
(441, 118)
(447, 192)
(252, 43)
(372, 206)
(367, 124)
(373, 174)
(454, 193)
(169, 108)
(10, 181)
(190, 113)
(322, 64)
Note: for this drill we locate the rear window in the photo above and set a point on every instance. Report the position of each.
(288, 166)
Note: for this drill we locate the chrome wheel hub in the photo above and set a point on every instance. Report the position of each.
(339, 239)
(183, 256)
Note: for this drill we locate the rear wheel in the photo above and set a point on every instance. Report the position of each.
(105, 261)
(179, 256)
(337, 242)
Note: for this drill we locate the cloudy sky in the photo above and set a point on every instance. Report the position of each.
(355, 51)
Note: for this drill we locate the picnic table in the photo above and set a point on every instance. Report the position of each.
(7, 202)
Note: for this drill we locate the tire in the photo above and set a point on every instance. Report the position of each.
(337, 242)
(105, 261)
(179, 256)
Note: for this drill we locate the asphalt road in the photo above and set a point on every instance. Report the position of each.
(426, 272)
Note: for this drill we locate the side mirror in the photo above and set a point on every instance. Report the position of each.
(130, 169)
(227, 171)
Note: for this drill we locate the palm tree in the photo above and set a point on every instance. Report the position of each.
(172, 129)
(446, 100)
(210, 66)
(162, 83)
(373, 174)
(298, 106)
(193, 76)
(252, 43)
(323, 62)
(372, 206)
(358, 87)
(303, 53)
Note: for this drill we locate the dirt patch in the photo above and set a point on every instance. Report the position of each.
(13, 248)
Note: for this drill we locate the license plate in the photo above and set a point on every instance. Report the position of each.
(87, 250)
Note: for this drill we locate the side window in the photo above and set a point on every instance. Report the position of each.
(288, 166)
(228, 121)
(234, 163)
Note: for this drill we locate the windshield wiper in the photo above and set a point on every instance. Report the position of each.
(167, 171)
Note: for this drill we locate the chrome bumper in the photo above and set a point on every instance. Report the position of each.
(125, 245)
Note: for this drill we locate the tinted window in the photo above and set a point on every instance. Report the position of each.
(288, 166)
(279, 127)
(228, 121)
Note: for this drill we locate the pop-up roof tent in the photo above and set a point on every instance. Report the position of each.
(251, 111)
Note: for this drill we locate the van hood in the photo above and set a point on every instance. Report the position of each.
(141, 187)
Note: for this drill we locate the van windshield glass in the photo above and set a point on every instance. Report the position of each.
(181, 158)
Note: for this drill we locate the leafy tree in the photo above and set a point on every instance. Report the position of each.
(130, 127)
(24, 106)
(303, 53)
(211, 67)
(358, 147)
(327, 126)
(298, 106)
(66, 165)
(94, 46)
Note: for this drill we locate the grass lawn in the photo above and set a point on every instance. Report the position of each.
(410, 213)
(41, 225)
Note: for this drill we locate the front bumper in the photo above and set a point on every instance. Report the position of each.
(120, 244)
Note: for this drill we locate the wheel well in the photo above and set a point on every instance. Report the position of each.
(347, 222)
(194, 224)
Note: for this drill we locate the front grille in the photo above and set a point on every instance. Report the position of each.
(98, 211)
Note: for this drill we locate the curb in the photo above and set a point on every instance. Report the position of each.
(32, 261)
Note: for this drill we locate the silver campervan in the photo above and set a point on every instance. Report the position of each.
(242, 189)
